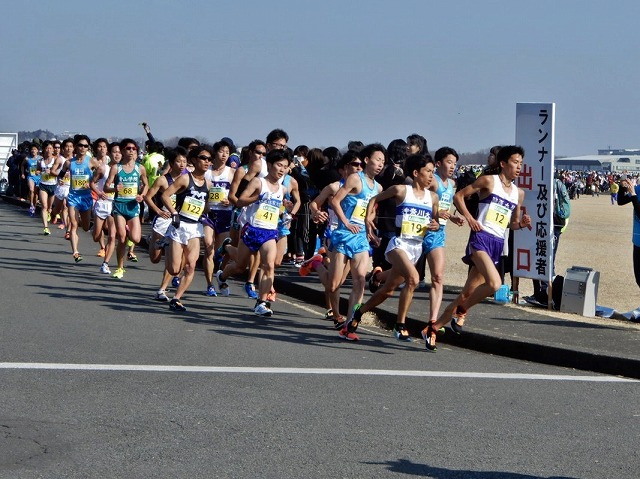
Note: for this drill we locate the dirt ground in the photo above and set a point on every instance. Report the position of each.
(598, 236)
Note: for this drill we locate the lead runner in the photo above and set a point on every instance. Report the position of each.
(499, 208)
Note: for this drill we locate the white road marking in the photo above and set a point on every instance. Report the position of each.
(308, 371)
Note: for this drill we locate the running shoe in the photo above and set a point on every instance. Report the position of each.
(308, 266)
(374, 284)
(119, 274)
(298, 261)
(211, 291)
(105, 268)
(32, 210)
(223, 287)
(132, 257)
(457, 320)
(77, 257)
(161, 295)
(67, 236)
(348, 335)
(250, 289)
(401, 333)
(101, 253)
(329, 315)
(263, 309)
(338, 322)
(48, 216)
(429, 336)
(56, 219)
(176, 305)
(46, 232)
(220, 252)
(175, 282)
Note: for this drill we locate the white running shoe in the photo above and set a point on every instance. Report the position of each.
(223, 287)
(263, 309)
(105, 268)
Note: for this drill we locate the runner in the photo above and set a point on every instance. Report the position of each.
(499, 208)
(47, 185)
(103, 207)
(349, 240)
(434, 241)
(62, 188)
(177, 159)
(349, 164)
(263, 198)
(185, 231)
(217, 222)
(31, 164)
(100, 149)
(416, 213)
(128, 180)
(80, 202)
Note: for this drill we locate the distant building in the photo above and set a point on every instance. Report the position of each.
(611, 160)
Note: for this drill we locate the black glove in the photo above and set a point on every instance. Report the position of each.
(175, 220)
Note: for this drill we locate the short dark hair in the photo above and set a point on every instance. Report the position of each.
(445, 151)
(347, 158)
(277, 155)
(277, 134)
(369, 150)
(416, 163)
(507, 152)
(124, 142)
(185, 141)
(78, 138)
(95, 143)
(172, 154)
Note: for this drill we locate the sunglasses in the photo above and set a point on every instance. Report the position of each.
(356, 164)
(131, 148)
(204, 157)
(82, 145)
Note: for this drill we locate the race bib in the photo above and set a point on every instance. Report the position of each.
(32, 170)
(79, 182)
(266, 217)
(444, 204)
(129, 190)
(47, 178)
(359, 212)
(498, 216)
(217, 195)
(66, 180)
(192, 208)
(414, 227)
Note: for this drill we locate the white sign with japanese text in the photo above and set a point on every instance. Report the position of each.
(535, 132)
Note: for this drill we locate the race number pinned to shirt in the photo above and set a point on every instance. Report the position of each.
(359, 211)
(499, 217)
(267, 216)
(129, 190)
(192, 208)
(414, 227)
(79, 182)
(217, 195)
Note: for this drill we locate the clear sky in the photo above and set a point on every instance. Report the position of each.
(325, 71)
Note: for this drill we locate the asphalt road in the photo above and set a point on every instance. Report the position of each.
(100, 381)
